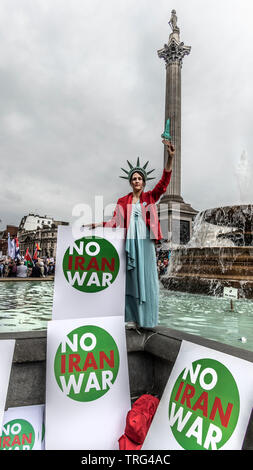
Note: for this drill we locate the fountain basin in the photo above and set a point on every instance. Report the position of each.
(208, 270)
(219, 254)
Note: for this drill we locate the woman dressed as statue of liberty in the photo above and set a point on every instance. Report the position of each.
(137, 213)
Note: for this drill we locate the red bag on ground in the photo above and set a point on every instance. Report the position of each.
(138, 421)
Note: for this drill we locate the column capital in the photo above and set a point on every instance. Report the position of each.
(174, 52)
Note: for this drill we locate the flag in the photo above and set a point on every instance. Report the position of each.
(35, 256)
(16, 245)
(11, 247)
(28, 258)
(38, 247)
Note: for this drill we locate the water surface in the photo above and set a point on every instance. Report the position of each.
(27, 305)
(208, 316)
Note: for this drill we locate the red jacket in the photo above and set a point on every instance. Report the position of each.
(122, 213)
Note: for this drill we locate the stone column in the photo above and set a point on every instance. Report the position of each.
(173, 54)
(175, 215)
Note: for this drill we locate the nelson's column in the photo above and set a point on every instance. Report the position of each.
(176, 216)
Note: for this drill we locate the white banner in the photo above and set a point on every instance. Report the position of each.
(87, 393)
(206, 404)
(6, 355)
(90, 274)
(23, 428)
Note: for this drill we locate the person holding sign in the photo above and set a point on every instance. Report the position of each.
(137, 213)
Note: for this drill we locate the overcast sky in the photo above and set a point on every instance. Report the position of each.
(82, 90)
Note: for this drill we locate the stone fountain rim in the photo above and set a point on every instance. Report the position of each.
(239, 211)
(226, 208)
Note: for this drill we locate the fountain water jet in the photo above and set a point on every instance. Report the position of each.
(243, 174)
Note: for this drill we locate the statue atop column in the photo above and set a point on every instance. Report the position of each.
(173, 22)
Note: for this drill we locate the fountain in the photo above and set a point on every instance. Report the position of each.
(220, 252)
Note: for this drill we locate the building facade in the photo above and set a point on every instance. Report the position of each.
(33, 222)
(33, 230)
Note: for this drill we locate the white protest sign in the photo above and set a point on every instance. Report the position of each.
(90, 274)
(23, 428)
(230, 293)
(6, 355)
(206, 404)
(87, 393)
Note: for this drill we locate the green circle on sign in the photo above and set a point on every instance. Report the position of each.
(17, 434)
(86, 364)
(204, 406)
(91, 264)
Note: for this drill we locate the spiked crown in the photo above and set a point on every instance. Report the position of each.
(138, 168)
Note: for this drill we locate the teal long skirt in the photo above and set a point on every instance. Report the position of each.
(142, 285)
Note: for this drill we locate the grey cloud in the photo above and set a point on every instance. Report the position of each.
(82, 90)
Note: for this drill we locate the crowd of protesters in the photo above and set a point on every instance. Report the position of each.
(43, 267)
(40, 267)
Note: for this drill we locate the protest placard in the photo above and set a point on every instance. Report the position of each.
(23, 428)
(90, 274)
(206, 404)
(87, 393)
(6, 354)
